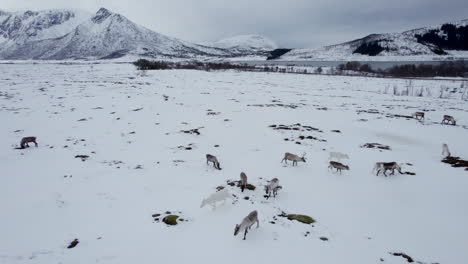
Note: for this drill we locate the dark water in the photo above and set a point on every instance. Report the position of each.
(374, 64)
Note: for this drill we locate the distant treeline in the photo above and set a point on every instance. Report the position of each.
(445, 69)
(143, 64)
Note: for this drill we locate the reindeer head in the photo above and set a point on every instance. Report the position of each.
(303, 157)
(236, 230)
(346, 167)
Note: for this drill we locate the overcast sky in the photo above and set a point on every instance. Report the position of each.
(291, 23)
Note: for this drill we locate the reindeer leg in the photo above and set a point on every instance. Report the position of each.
(245, 233)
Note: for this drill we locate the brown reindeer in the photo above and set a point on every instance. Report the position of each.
(24, 142)
(448, 119)
(418, 115)
(214, 160)
(294, 158)
(385, 166)
(338, 166)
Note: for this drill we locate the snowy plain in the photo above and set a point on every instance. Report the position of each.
(129, 123)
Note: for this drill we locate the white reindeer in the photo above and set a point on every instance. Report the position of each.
(337, 156)
(445, 151)
(272, 187)
(217, 197)
(293, 157)
(247, 223)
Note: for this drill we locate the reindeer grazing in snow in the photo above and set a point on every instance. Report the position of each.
(448, 119)
(445, 151)
(243, 181)
(214, 160)
(24, 142)
(247, 223)
(338, 166)
(293, 157)
(217, 197)
(384, 166)
(418, 115)
(272, 187)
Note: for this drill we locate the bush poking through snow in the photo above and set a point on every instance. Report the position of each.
(301, 218)
(170, 219)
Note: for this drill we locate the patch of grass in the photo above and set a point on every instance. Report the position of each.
(301, 218)
(170, 219)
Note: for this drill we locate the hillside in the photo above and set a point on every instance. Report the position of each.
(410, 45)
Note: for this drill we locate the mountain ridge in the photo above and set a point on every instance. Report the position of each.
(104, 35)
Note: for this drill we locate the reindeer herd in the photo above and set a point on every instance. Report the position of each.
(447, 119)
(273, 185)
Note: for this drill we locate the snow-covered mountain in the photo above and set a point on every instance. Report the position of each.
(55, 35)
(414, 43)
(22, 27)
(246, 44)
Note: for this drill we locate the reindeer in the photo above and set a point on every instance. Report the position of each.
(384, 166)
(243, 181)
(337, 156)
(418, 115)
(448, 119)
(247, 223)
(293, 157)
(445, 151)
(216, 197)
(272, 187)
(338, 166)
(214, 160)
(24, 142)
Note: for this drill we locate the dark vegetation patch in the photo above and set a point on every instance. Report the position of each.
(297, 127)
(444, 69)
(274, 54)
(73, 243)
(143, 64)
(372, 48)
(456, 162)
(376, 145)
(192, 131)
(169, 218)
(305, 219)
(453, 38)
(403, 255)
(82, 157)
(292, 106)
(188, 147)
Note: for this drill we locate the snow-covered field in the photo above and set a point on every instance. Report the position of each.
(129, 123)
